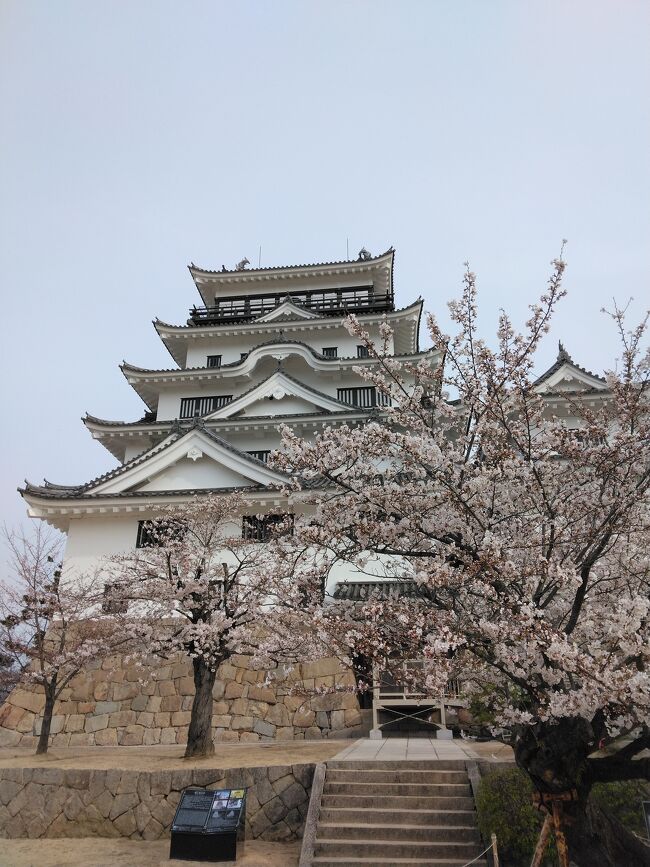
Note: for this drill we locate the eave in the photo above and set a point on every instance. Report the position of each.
(176, 337)
(209, 282)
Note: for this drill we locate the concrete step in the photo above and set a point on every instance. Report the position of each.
(399, 802)
(417, 765)
(370, 775)
(405, 833)
(326, 861)
(393, 849)
(385, 815)
(391, 789)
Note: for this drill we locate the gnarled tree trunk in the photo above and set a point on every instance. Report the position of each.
(556, 757)
(199, 736)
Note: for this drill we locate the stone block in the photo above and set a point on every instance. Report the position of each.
(293, 702)
(283, 783)
(78, 739)
(140, 702)
(126, 824)
(284, 733)
(275, 810)
(226, 672)
(82, 689)
(304, 717)
(352, 717)
(168, 736)
(259, 823)
(241, 723)
(162, 720)
(153, 830)
(160, 783)
(86, 707)
(8, 791)
(171, 703)
(106, 738)
(163, 812)
(185, 686)
(153, 704)
(220, 707)
(181, 718)
(132, 736)
(304, 774)
(181, 668)
(218, 689)
(104, 803)
(145, 719)
(26, 723)
(234, 690)
(264, 728)
(77, 778)
(122, 803)
(321, 668)
(239, 707)
(11, 715)
(122, 718)
(73, 807)
(102, 691)
(107, 707)
(221, 720)
(320, 682)
(181, 780)
(337, 720)
(142, 816)
(75, 722)
(151, 736)
(327, 701)
(226, 736)
(123, 691)
(34, 701)
(293, 795)
(186, 702)
(313, 733)
(262, 693)
(96, 723)
(278, 715)
(128, 782)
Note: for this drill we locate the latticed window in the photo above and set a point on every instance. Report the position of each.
(153, 534)
(191, 406)
(214, 361)
(259, 528)
(364, 397)
(362, 352)
(331, 351)
(262, 455)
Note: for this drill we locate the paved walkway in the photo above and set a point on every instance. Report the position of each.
(417, 749)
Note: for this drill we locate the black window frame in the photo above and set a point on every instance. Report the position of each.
(213, 361)
(203, 405)
(362, 351)
(144, 538)
(330, 351)
(364, 397)
(258, 528)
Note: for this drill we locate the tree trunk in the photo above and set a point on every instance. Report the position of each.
(48, 710)
(199, 736)
(555, 756)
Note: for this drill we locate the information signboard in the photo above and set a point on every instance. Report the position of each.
(208, 824)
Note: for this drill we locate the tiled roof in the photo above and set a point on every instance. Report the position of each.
(382, 591)
(563, 357)
(249, 418)
(267, 343)
(252, 324)
(176, 433)
(194, 269)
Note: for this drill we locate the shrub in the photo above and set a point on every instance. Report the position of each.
(505, 808)
(623, 801)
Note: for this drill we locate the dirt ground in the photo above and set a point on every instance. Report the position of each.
(171, 757)
(103, 852)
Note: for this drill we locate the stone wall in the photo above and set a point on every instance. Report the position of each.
(113, 703)
(51, 802)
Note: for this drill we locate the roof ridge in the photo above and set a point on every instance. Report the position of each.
(196, 269)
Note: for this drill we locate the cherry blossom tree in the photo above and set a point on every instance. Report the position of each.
(201, 587)
(528, 541)
(51, 626)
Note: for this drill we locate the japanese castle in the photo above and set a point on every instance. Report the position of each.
(264, 347)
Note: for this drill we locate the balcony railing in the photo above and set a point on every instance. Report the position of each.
(364, 397)
(192, 406)
(334, 302)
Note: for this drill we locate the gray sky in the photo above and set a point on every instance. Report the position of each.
(139, 136)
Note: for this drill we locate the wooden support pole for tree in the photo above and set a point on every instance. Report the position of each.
(560, 839)
(542, 842)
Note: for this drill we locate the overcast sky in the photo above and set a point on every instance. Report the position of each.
(139, 136)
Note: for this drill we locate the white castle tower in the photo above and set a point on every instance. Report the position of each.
(266, 347)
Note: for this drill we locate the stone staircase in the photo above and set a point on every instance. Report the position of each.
(388, 813)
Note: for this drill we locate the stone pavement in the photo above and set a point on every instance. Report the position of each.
(419, 749)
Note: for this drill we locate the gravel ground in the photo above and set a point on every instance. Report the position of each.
(103, 852)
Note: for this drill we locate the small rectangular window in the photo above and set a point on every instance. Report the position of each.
(331, 351)
(258, 528)
(243, 355)
(214, 361)
(261, 455)
(111, 603)
(362, 352)
(153, 534)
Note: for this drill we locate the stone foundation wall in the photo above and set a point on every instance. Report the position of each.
(50, 802)
(112, 703)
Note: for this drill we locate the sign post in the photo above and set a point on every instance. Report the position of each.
(208, 825)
